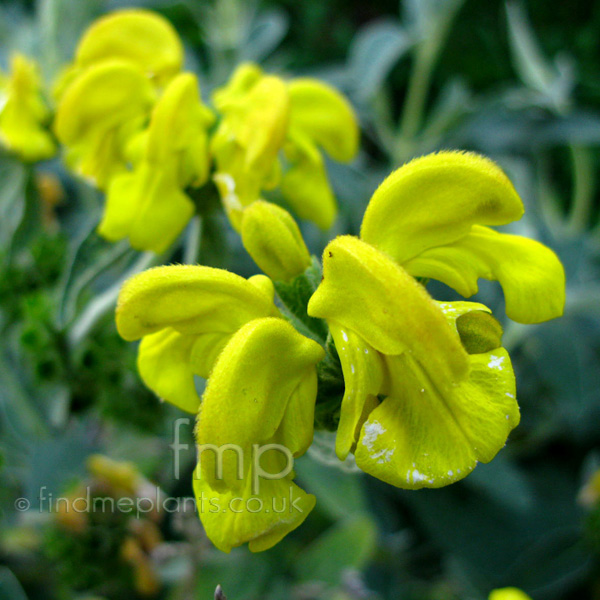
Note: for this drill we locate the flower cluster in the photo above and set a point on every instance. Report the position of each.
(106, 498)
(134, 124)
(197, 320)
(263, 117)
(428, 389)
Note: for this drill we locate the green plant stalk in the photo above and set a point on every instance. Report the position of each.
(191, 255)
(583, 189)
(427, 53)
(414, 105)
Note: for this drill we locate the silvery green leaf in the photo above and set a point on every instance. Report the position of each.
(580, 127)
(455, 100)
(266, 32)
(423, 17)
(12, 198)
(376, 48)
(532, 66)
(503, 482)
(91, 258)
(349, 544)
(10, 588)
(323, 451)
(554, 81)
(340, 493)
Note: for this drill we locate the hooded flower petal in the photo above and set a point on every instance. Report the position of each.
(97, 116)
(186, 315)
(418, 408)
(295, 431)
(233, 518)
(321, 113)
(264, 365)
(251, 133)
(148, 205)
(141, 37)
(435, 200)
(273, 240)
(261, 126)
(305, 185)
(364, 291)
(191, 299)
(261, 392)
(428, 216)
(179, 120)
(244, 78)
(531, 275)
(262, 115)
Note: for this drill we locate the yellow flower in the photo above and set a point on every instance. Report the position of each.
(418, 410)
(98, 115)
(264, 116)
(271, 236)
(140, 37)
(261, 391)
(429, 392)
(149, 204)
(186, 315)
(23, 112)
(509, 593)
(105, 97)
(320, 117)
(432, 217)
(255, 114)
(122, 477)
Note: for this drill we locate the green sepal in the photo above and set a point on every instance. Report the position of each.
(330, 390)
(295, 295)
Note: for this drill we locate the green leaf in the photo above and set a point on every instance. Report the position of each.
(554, 82)
(503, 482)
(12, 194)
(243, 575)
(266, 33)
(338, 493)
(376, 48)
(10, 588)
(92, 257)
(349, 544)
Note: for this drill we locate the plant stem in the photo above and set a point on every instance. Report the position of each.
(425, 59)
(583, 189)
(191, 253)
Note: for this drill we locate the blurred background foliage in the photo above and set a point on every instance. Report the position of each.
(518, 82)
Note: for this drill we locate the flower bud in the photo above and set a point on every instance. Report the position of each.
(272, 238)
(479, 332)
